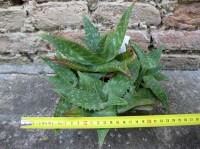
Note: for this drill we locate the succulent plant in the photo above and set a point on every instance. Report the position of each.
(95, 80)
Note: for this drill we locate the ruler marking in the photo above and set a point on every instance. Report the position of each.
(109, 122)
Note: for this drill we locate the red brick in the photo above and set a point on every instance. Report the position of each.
(185, 16)
(74, 36)
(141, 38)
(177, 40)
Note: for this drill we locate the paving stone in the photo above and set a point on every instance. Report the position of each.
(180, 62)
(31, 95)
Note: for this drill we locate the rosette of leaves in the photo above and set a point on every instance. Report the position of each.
(94, 80)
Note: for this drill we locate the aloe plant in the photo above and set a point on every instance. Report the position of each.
(94, 80)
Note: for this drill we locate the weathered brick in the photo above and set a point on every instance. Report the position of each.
(187, 1)
(12, 19)
(141, 38)
(58, 15)
(20, 42)
(110, 13)
(74, 36)
(180, 62)
(20, 46)
(185, 16)
(177, 40)
(4, 3)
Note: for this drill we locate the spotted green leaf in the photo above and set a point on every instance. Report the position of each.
(133, 101)
(58, 82)
(157, 89)
(77, 112)
(145, 93)
(150, 60)
(140, 55)
(91, 84)
(84, 99)
(134, 68)
(101, 44)
(102, 135)
(103, 68)
(73, 50)
(118, 85)
(109, 111)
(160, 77)
(124, 56)
(144, 108)
(154, 56)
(62, 106)
(65, 74)
(92, 35)
(154, 69)
(72, 65)
(114, 41)
(139, 78)
(111, 66)
(115, 100)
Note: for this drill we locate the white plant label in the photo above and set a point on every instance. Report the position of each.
(123, 47)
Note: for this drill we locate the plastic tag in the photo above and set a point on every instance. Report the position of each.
(123, 47)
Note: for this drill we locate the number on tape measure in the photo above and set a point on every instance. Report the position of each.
(109, 122)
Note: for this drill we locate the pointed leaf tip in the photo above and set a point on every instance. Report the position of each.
(101, 135)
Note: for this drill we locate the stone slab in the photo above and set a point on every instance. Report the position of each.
(31, 95)
(180, 61)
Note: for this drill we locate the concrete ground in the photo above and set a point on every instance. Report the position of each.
(24, 92)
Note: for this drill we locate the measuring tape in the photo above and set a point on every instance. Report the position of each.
(109, 122)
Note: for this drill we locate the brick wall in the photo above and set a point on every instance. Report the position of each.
(153, 23)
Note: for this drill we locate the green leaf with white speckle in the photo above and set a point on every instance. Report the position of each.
(118, 85)
(91, 84)
(160, 77)
(62, 106)
(133, 100)
(134, 68)
(114, 40)
(77, 112)
(109, 111)
(157, 89)
(92, 35)
(111, 66)
(65, 74)
(85, 99)
(72, 65)
(73, 50)
(154, 56)
(102, 135)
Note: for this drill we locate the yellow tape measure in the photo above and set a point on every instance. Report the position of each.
(109, 122)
